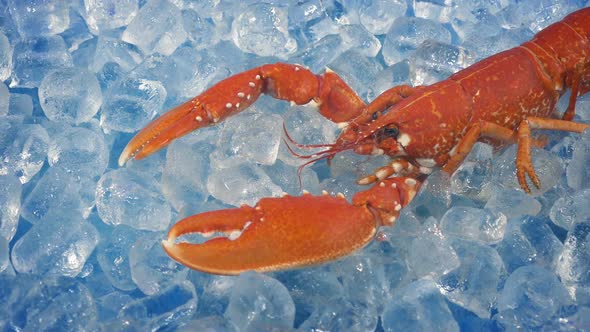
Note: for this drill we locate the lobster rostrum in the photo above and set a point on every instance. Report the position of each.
(499, 99)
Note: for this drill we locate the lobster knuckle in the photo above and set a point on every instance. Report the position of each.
(290, 82)
(339, 102)
(388, 197)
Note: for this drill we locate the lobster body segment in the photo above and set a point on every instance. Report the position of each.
(500, 99)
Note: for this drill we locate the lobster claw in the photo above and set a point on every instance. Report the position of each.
(289, 232)
(278, 233)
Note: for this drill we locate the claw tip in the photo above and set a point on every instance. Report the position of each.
(168, 243)
(124, 157)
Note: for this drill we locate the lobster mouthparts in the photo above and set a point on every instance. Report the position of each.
(278, 233)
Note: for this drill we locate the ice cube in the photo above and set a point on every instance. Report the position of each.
(262, 29)
(106, 15)
(474, 224)
(23, 148)
(574, 261)
(311, 289)
(533, 16)
(290, 181)
(157, 27)
(4, 257)
(209, 324)
(113, 256)
(357, 70)
(418, 307)
(186, 170)
(39, 17)
(358, 38)
(79, 151)
(578, 172)
(59, 244)
(21, 105)
(10, 204)
(165, 310)
(258, 301)
(5, 58)
(547, 165)
(131, 103)
(52, 303)
(305, 125)
(108, 305)
(341, 314)
(59, 192)
(572, 207)
(151, 269)
(215, 294)
(378, 15)
(201, 30)
(35, 57)
(4, 99)
(473, 285)
(434, 61)
(513, 203)
(531, 297)
(241, 184)
(254, 136)
(529, 240)
(364, 281)
(130, 198)
(431, 254)
(474, 175)
(318, 55)
(407, 33)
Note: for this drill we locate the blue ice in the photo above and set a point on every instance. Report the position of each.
(80, 237)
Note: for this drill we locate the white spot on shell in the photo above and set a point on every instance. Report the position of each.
(426, 162)
(410, 182)
(241, 94)
(425, 170)
(397, 167)
(251, 84)
(228, 105)
(365, 180)
(404, 139)
(377, 152)
(382, 174)
(257, 77)
(398, 207)
(199, 118)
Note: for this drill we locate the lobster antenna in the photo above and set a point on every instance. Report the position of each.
(304, 146)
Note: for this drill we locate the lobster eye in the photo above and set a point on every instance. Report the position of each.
(391, 131)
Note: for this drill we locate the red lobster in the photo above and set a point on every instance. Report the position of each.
(501, 98)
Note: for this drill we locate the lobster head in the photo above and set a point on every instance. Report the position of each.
(414, 128)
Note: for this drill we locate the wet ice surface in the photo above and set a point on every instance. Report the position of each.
(80, 237)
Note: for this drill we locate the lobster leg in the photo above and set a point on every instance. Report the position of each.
(294, 83)
(524, 165)
(288, 232)
(475, 132)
